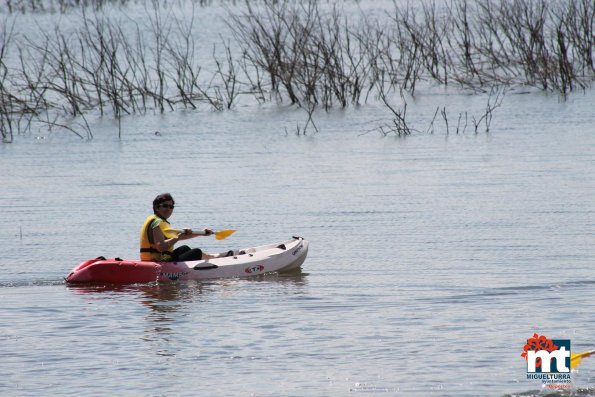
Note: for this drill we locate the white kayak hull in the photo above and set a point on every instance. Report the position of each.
(279, 257)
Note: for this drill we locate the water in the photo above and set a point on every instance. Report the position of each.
(432, 259)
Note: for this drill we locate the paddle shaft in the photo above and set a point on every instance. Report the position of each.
(191, 234)
(219, 235)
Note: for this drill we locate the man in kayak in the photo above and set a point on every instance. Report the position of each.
(157, 239)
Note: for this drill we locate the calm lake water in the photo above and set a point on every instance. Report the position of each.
(432, 258)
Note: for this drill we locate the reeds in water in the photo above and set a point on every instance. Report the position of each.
(310, 54)
(473, 44)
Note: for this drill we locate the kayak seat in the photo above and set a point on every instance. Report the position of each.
(229, 253)
(282, 246)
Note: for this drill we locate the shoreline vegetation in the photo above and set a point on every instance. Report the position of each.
(309, 54)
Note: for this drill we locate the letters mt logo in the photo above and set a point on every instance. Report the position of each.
(545, 355)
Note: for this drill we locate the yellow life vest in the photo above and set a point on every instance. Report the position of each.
(148, 250)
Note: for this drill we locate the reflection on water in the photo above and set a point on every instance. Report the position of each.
(184, 291)
(165, 300)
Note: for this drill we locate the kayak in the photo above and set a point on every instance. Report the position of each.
(279, 257)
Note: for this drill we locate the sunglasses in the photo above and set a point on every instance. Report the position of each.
(167, 206)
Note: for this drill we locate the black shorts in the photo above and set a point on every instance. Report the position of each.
(185, 253)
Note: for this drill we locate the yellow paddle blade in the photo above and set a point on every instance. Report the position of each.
(223, 234)
(575, 358)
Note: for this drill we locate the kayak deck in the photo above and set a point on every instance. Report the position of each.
(278, 257)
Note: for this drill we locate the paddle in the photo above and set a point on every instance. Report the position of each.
(575, 358)
(220, 235)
